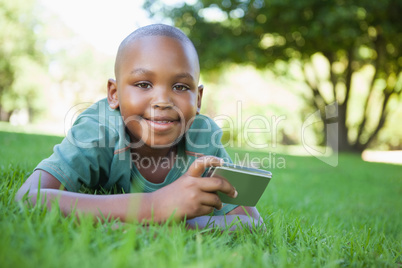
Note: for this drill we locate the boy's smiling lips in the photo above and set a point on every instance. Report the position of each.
(160, 119)
(162, 123)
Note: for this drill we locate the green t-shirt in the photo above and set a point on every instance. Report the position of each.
(96, 153)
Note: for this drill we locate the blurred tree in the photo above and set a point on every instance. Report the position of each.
(19, 52)
(291, 37)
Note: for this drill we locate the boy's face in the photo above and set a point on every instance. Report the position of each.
(156, 89)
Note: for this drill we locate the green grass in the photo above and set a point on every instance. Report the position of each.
(316, 216)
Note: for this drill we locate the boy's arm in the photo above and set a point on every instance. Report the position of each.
(45, 186)
(189, 196)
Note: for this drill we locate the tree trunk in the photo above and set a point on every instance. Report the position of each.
(343, 140)
(4, 116)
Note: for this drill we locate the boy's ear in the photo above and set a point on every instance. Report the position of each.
(112, 97)
(199, 98)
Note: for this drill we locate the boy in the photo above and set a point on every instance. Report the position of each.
(147, 140)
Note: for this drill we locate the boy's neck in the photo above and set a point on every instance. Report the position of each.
(154, 164)
(149, 152)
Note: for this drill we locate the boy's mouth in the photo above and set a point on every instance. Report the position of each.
(162, 120)
(161, 125)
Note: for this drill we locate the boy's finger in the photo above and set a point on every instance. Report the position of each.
(214, 184)
(198, 167)
(211, 200)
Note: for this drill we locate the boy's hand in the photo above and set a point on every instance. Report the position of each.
(192, 195)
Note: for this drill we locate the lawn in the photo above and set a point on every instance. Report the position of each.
(316, 216)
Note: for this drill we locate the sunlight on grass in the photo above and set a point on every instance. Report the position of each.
(394, 157)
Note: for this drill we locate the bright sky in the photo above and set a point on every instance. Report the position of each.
(104, 23)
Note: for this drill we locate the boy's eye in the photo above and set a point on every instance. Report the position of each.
(143, 85)
(180, 87)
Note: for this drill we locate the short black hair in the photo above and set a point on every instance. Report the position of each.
(155, 30)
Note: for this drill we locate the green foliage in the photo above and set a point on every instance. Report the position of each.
(316, 216)
(21, 60)
(42, 62)
(349, 37)
(77, 69)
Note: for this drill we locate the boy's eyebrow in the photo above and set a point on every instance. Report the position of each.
(141, 71)
(146, 71)
(185, 75)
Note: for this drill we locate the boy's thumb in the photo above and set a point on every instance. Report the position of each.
(198, 167)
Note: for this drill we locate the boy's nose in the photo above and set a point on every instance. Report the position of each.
(162, 105)
(162, 99)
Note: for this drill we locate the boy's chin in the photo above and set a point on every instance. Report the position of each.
(156, 143)
(163, 144)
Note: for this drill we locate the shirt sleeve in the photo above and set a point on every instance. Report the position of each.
(83, 157)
